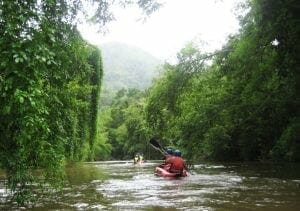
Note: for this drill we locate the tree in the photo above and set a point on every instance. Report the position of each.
(50, 81)
(245, 105)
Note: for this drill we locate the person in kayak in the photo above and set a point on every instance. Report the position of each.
(177, 163)
(138, 158)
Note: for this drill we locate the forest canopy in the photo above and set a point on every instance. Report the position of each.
(245, 106)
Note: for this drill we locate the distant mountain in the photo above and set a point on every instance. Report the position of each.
(127, 66)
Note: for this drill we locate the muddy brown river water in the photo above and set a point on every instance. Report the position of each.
(120, 185)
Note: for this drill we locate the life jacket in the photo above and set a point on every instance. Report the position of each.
(177, 165)
(169, 159)
(168, 162)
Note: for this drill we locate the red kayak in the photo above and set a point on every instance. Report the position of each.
(160, 171)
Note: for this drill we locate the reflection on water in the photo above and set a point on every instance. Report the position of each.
(120, 185)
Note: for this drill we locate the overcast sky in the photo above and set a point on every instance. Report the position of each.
(171, 27)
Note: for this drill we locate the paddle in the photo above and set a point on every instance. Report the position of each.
(154, 143)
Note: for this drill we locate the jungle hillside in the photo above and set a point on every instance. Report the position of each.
(127, 66)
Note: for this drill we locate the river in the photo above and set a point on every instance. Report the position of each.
(120, 185)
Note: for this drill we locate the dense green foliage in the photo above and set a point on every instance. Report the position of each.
(124, 125)
(245, 106)
(239, 103)
(50, 81)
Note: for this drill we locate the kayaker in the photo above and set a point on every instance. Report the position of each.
(138, 158)
(177, 163)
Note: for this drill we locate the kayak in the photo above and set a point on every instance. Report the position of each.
(164, 173)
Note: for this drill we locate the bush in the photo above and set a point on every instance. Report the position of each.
(288, 146)
(217, 143)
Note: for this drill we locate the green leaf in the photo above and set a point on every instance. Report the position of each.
(21, 99)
